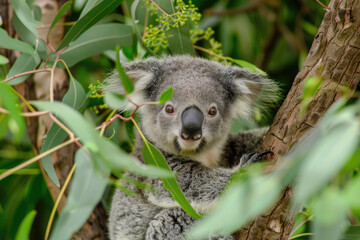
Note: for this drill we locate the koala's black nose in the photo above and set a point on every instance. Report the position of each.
(191, 120)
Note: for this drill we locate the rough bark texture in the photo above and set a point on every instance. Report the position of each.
(36, 87)
(335, 57)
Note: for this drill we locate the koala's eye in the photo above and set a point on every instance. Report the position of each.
(212, 111)
(169, 108)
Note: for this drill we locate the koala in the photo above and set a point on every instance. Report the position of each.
(192, 130)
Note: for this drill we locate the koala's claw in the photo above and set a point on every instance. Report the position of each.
(249, 158)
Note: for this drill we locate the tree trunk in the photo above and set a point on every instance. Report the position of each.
(335, 58)
(36, 87)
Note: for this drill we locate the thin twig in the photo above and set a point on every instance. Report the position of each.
(145, 23)
(26, 114)
(58, 201)
(35, 159)
(323, 5)
(27, 73)
(162, 10)
(302, 223)
(301, 235)
(66, 129)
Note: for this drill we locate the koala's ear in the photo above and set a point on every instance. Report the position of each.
(252, 91)
(141, 73)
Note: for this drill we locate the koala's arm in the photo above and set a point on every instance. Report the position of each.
(244, 142)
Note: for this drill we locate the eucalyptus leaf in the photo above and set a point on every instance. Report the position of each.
(90, 4)
(178, 37)
(333, 151)
(23, 12)
(75, 97)
(88, 20)
(73, 119)
(153, 156)
(96, 40)
(247, 65)
(10, 102)
(125, 80)
(64, 8)
(352, 233)
(23, 63)
(115, 101)
(330, 218)
(241, 202)
(86, 190)
(14, 44)
(23, 32)
(116, 158)
(3, 60)
(23, 232)
(166, 95)
(108, 152)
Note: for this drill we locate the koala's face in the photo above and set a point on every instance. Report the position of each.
(207, 96)
(196, 118)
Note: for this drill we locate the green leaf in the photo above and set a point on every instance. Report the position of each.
(351, 193)
(241, 202)
(352, 233)
(90, 4)
(178, 38)
(75, 97)
(125, 80)
(13, 44)
(134, 8)
(23, 63)
(97, 40)
(23, 12)
(166, 95)
(107, 151)
(25, 226)
(10, 102)
(65, 7)
(86, 190)
(330, 217)
(339, 141)
(73, 119)
(90, 18)
(3, 60)
(247, 65)
(115, 101)
(153, 156)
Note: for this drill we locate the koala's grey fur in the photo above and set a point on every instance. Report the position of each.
(203, 167)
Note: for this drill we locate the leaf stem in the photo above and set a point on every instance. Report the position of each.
(26, 114)
(302, 223)
(27, 73)
(301, 235)
(58, 201)
(162, 10)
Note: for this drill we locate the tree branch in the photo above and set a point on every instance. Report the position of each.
(334, 57)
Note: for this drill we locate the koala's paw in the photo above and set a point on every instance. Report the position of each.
(253, 157)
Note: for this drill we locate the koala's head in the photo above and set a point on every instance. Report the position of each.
(207, 96)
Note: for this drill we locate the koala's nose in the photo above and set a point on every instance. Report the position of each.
(191, 119)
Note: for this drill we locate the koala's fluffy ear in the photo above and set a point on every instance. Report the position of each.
(253, 90)
(141, 73)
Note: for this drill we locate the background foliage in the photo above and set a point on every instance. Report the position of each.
(273, 35)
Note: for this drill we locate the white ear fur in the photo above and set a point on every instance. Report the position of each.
(140, 78)
(256, 92)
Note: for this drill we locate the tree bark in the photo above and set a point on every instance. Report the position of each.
(36, 87)
(335, 58)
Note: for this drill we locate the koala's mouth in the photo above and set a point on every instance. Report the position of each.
(189, 147)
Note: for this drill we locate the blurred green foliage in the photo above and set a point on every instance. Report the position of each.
(273, 35)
